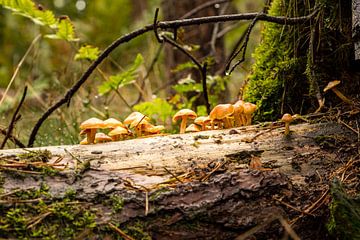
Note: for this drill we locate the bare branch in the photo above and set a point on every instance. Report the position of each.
(202, 7)
(13, 119)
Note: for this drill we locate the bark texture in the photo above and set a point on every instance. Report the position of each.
(215, 195)
(356, 27)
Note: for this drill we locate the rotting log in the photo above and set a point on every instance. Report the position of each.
(200, 186)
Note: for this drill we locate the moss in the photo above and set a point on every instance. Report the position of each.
(117, 203)
(289, 71)
(34, 213)
(136, 231)
(344, 214)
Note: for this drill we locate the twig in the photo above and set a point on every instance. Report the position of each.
(203, 6)
(13, 119)
(162, 25)
(173, 175)
(13, 139)
(216, 30)
(214, 170)
(202, 69)
(288, 228)
(120, 232)
(292, 207)
(15, 191)
(19, 66)
(39, 219)
(348, 126)
(242, 48)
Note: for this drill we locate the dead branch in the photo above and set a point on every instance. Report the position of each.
(13, 119)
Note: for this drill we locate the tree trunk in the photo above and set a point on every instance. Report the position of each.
(356, 27)
(195, 186)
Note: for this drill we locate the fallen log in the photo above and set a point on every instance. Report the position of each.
(222, 184)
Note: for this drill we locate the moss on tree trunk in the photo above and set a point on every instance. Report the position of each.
(294, 63)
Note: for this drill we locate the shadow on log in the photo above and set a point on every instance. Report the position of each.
(190, 186)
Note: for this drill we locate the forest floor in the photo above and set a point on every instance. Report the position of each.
(245, 183)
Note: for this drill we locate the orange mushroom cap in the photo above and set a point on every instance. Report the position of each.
(92, 123)
(118, 131)
(221, 111)
(102, 137)
(184, 112)
(133, 116)
(113, 123)
(192, 128)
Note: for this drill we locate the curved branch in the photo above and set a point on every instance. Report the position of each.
(162, 25)
(14, 119)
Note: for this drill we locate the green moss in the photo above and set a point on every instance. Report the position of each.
(117, 203)
(34, 213)
(289, 71)
(344, 214)
(136, 231)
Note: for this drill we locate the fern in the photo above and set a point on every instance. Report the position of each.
(27, 8)
(87, 52)
(122, 79)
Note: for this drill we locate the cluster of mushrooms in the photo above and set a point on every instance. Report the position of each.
(222, 116)
(117, 130)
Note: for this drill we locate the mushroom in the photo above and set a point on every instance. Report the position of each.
(112, 123)
(192, 128)
(89, 128)
(249, 109)
(102, 137)
(332, 85)
(138, 124)
(287, 119)
(84, 142)
(238, 111)
(150, 129)
(184, 114)
(117, 133)
(133, 116)
(202, 121)
(221, 112)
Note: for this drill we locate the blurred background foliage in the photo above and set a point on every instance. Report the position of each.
(50, 69)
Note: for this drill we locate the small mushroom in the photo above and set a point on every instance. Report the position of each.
(202, 121)
(192, 128)
(112, 123)
(84, 142)
(89, 127)
(221, 112)
(102, 138)
(118, 133)
(238, 112)
(138, 124)
(150, 129)
(287, 119)
(184, 114)
(249, 109)
(133, 116)
(332, 85)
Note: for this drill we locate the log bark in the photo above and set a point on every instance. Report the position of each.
(212, 194)
(356, 27)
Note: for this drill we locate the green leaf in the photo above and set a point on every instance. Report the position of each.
(87, 52)
(183, 66)
(158, 108)
(122, 79)
(27, 8)
(65, 30)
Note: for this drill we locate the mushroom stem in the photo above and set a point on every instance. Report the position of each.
(341, 96)
(183, 124)
(227, 122)
(248, 119)
(287, 128)
(237, 118)
(91, 135)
